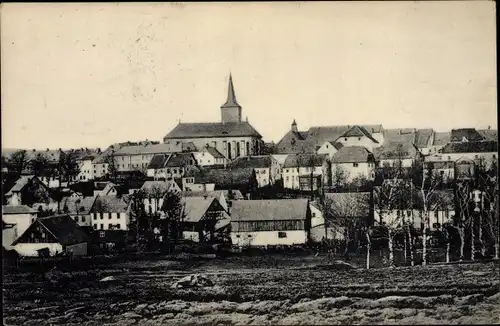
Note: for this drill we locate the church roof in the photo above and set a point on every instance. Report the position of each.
(231, 96)
(212, 129)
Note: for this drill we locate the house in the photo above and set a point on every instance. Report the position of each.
(466, 135)
(260, 223)
(295, 141)
(27, 190)
(486, 150)
(397, 154)
(232, 137)
(109, 213)
(299, 168)
(171, 166)
(329, 147)
(86, 171)
(154, 191)
(202, 218)
(489, 134)
(358, 136)
(220, 195)
(59, 233)
(18, 219)
(105, 189)
(424, 139)
(79, 209)
(353, 161)
(278, 163)
(440, 139)
(243, 179)
(445, 170)
(209, 156)
(262, 165)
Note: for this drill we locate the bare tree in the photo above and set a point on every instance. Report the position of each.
(40, 166)
(174, 216)
(488, 185)
(112, 170)
(339, 177)
(18, 161)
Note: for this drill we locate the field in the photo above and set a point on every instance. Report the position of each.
(255, 290)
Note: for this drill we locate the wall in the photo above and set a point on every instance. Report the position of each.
(268, 238)
(15, 199)
(79, 249)
(86, 171)
(358, 141)
(363, 169)
(30, 249)
(221, 144)
(327, 148)
(99, 169)
(231, 114)
(191, 235)
(453, 157)
(22, 221)
(110, 218)
(198, 186)
(82, 220)
(291, 175)
(263, 176)
(406, 162)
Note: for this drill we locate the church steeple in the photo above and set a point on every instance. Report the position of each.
(231, 110)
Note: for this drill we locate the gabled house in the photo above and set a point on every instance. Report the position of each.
(395, 154)
(300, 168)
(354, 161)
(202, 218)
(154, 192)
(329, 147)
(79, 209)
(209, 156)
(261, 223)
(243, 179)
(105, 189)
(262, 165)
(220, 195)
(295, 142)
(278, 163)
(18, 218)
(358, 136)
(110, 213)
(58, 233)
(170, 166)
(27, 190)
(439, 140)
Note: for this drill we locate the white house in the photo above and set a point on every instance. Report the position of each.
(57, 233)
(19, 218)
(105, 189)
(299, 167)
(355, 161)
(110, 213)
(392, 154)
(79, 209)
(209, 156)
(171, 166)
(260, 223)
(262, 165)
(24, 189)
(155, 192)
(329, 148)
(358, 136)
(86, 170)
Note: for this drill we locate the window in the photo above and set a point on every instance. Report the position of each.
(286, 179)
(238, 150)
(110, 226)
(286, 170)
(101, 234)
(168, 170)
(248, 148)
(314, 214)
(345, 138)
(449, 158)
(355, 165)
(102, 226)
(237, 235)
(109, 216)
(359, 138)
(101, 215)
(118, 215)
(118, 226)
(435, 213)
(249, 235)
(281, 234)
(95, 226)
(123, 159)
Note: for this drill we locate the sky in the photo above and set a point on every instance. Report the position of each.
(89, 75)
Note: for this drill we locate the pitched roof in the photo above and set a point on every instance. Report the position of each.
(62, 227)
(237, 195)
(400, 135)
(352, 154)
(19, 209)
(471, 147)
(441, 138)
(79, 205)
(231, 96)
(20, 184)
(358, 131)
(213, 194)
(180, 159)
(150, 186)
(238, 176)
(109, 204)
(196, 207)
(158, 161)
(470, 134)
(423, 137)
(320, 134)
(107, 189)
(349, 204)
(214, 152)
(149, 149)
(280, 158)
(296, 142)
(212, 129)
(489, 134)
(251, 162)
(269, 210)
(304, 160)
(395, 150)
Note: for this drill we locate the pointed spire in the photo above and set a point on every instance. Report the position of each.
(231, 96)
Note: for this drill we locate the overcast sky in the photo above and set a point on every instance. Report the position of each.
(93, 74)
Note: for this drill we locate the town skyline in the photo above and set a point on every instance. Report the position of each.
(306, 63)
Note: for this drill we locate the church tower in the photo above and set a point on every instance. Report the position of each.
(231, 110)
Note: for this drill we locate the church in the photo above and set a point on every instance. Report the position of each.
(232, 136)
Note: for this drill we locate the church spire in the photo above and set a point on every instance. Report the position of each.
(231, 96)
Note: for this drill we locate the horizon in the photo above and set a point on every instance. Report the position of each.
(72, 79)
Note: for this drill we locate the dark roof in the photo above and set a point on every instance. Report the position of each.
(304, 160)
(109, 204)
(470, 134)
(180, 159)
(78, 205)
(352, 154)
(231, 96)
(149, 187)
(196, 207)
(471, 147)
(214, 152)
(358, 131)
(396, 150)
(325, 133)
(269, 210)
(20, 183)
(62, 227)
(489, 134)
(19, 209)
(348, 204)
(212, 129)
(158, 161)
(400, 135)
(214, 194)
(423, 137)
(239, 176)
(295, 142)
(251, 162)
(441, 138)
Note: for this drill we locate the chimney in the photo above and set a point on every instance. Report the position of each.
(294, 126)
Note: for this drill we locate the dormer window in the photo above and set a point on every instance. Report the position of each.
(345, 138)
